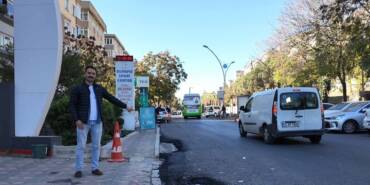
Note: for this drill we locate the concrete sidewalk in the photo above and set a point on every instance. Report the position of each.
(142, 169)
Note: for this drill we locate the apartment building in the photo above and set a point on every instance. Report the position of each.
(78, 18)
(93, 26)
(113, 46)
(6, 22)
(71, 16)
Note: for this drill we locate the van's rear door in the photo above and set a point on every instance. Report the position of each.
(290, 114)
(299, 109)
(313, 119)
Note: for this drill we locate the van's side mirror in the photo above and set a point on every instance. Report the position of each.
(241, 108)
(362, 110)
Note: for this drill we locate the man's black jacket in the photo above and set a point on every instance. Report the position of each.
(80, 101)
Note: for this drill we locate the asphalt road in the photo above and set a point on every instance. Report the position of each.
(212, 152)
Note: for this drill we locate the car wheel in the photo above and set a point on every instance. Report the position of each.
(368, 131)
(241, 131)
(349, 127)
(185, 117)
(267, 136)
(315, 139)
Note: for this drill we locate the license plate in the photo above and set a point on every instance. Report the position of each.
(193, 110)
(290, 124)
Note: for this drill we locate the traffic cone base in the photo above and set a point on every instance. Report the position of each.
(117, 154)
(123, 159)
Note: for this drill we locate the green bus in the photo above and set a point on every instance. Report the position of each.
(191, 106)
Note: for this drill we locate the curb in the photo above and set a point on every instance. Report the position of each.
(157, 138)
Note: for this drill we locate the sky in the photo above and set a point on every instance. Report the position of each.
(236, 30)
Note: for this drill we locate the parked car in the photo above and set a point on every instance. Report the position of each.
(178, 112)
(348, 120)
(283, 112)
(326, 106)
(366, 122)
(337, 108)
(163, 116)
(211, 111)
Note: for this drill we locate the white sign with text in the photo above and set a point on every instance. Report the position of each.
(142, 81)
(125, 90)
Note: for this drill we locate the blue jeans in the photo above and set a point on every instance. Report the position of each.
(96, 133)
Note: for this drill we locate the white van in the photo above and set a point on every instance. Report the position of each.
(283, 112)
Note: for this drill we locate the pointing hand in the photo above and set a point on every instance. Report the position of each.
(129, 109)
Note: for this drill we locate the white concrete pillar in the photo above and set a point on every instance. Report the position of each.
(38, 57)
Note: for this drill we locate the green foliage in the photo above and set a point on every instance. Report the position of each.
(71, 73)
(6, 63)
(165, 75)
(209, 99)
(60, 120)
(339, 36)
(319, 42)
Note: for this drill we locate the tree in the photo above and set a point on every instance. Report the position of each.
(6, 63)
(293, 52)
(165, 73)
(336, 37)
(321, 33)
(209, 98)
(78, 53)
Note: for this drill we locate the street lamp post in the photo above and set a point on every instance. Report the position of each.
(224, 67)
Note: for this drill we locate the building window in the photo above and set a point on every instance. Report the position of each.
(109, 53)
(74, 31)
(78, 31)
(2, 43)
(66, 5)
(84, 32)
(77, 11)
(108, 41)
(7, 40)
(84, 15)
(10, 8)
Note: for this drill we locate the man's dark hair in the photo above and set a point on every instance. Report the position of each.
(90, 67)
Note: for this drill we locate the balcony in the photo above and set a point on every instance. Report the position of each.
(6, 14)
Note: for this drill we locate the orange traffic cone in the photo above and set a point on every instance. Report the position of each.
(117, 154)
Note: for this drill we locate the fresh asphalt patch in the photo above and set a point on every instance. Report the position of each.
(176, 177)
(178, 144)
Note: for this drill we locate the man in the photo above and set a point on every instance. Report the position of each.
(223, 112)
(86, 109)
(168, 109)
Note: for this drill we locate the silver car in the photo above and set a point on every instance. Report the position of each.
(348, 120)
(337, 108)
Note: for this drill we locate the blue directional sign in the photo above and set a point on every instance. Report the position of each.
(225, 66)
(147, 117)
